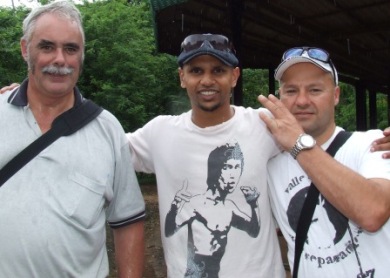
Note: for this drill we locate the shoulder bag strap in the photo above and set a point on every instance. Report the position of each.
(310, 204)
(65, 124)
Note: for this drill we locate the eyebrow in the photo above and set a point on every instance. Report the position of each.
(44, 42)
(73, 45)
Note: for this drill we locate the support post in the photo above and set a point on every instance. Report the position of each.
(235, 15)
(361, 109)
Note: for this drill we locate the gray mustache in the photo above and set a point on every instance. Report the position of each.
(57, 70)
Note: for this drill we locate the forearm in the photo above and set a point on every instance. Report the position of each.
(364, 201)
(130, 250)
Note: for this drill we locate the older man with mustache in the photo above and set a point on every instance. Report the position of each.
(54, 209)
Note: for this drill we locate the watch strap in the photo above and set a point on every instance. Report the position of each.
(295, 150)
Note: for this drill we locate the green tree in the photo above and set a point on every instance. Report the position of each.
(255, 82)
(12, 66)
(382, 111)
(346, 109)
(123, 71)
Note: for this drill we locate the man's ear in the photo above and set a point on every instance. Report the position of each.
(236, 75)
(336, 95)
(23, 49)
(182, 78)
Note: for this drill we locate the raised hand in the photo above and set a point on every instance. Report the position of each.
(283, 126)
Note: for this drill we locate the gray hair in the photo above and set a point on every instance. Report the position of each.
(65, 9)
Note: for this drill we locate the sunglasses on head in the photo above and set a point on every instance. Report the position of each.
(218, 42)
(313, 52)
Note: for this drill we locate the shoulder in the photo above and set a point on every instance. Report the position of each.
(169, 119)
(159, 127)
(251, 114)
(109, 120)
(251, 117)
(356, 154)
(166, 121)
(357, 148)
(4, 97)
(248, 120)
(362, 140)
(371, 134)
(107, 127)
(250, 110)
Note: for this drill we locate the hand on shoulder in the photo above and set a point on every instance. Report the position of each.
(383, 144)
(8, 88)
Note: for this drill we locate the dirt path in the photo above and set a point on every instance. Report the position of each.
(154, 264)
(154, 257)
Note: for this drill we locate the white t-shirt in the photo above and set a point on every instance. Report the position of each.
(211, 229)
(329, 251)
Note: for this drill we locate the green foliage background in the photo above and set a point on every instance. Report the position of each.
(125, 74)
(12, 67)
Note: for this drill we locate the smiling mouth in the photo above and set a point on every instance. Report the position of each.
(56, 74)
(208, 93)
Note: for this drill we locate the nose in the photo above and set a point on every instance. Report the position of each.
(207, 80)
(59, 58)
(302, 98)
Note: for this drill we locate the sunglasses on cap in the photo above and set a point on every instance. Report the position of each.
(314, 53)
(218, 42)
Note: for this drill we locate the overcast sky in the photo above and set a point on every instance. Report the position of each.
(8, 3)
(28, 3)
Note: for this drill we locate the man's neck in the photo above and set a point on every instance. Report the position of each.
(326, 135)
(46, 109)
(210, 118)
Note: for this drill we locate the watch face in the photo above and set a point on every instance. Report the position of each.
(307, 141)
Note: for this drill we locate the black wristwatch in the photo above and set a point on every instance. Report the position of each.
(304, 142)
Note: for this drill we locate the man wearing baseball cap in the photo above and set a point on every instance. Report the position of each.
(210, 164)
(350, 230)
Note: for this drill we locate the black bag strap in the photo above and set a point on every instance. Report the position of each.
(310, 204)
(65, 124)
